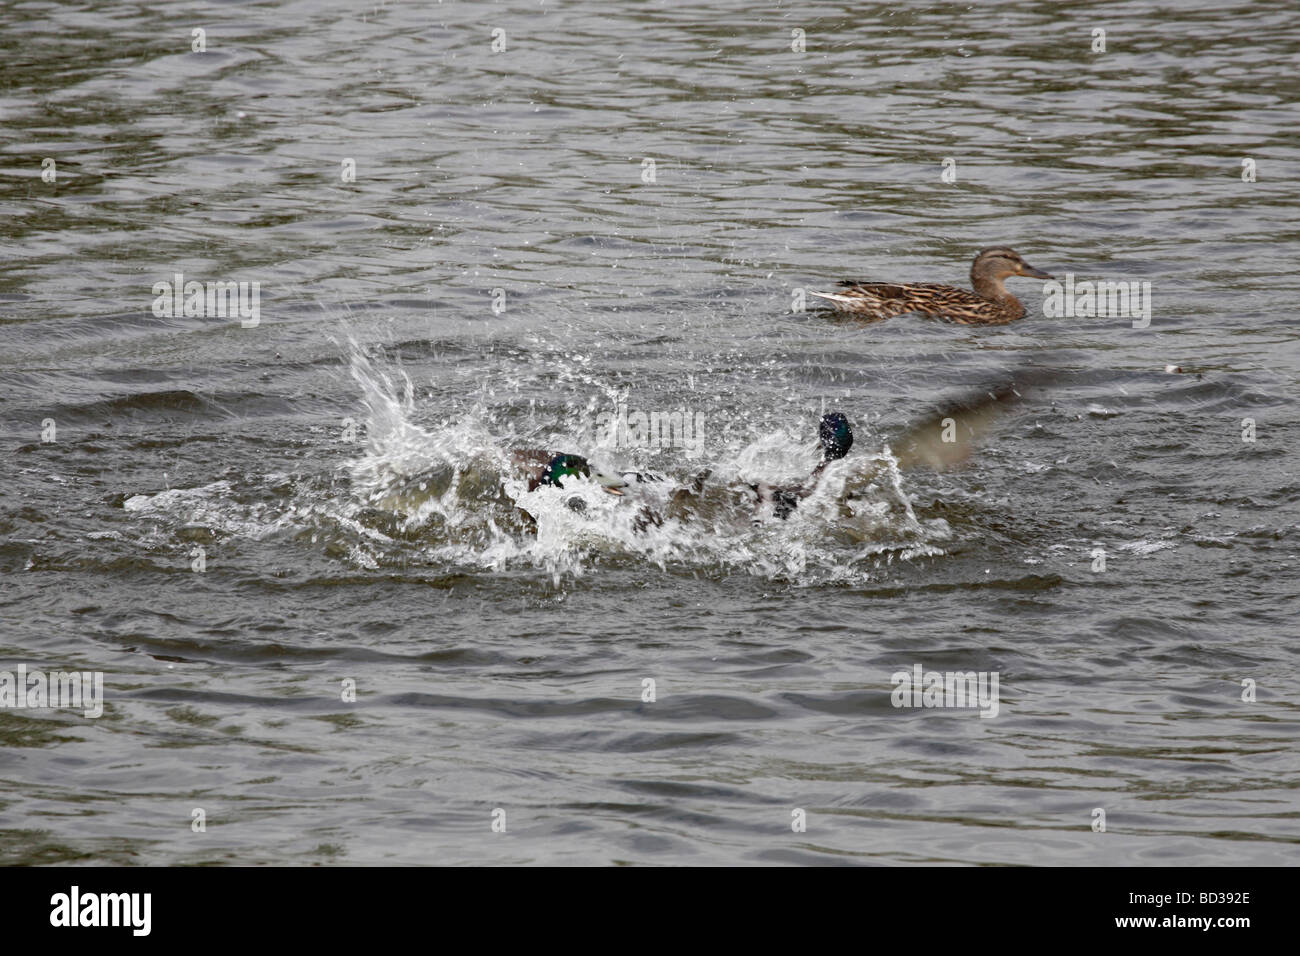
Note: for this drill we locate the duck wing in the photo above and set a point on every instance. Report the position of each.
(887, 299)
(946, 438)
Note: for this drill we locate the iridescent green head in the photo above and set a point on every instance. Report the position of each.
(565, 466)
(836, 436)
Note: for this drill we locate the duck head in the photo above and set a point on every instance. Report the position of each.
(836, 436)
(994, 265)
(562, 466)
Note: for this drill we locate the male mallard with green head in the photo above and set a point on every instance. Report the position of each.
(835, 436)
(945, 438)
(551, 468)
(989, 304)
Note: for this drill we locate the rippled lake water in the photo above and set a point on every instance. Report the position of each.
(477, 227)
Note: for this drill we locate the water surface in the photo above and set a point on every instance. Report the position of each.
(497, 669)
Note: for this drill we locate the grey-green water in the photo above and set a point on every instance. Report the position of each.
(500, 670)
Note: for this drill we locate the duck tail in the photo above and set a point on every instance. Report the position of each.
(833, 296)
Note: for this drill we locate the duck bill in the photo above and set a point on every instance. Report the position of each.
(610, 483)
(1035, 273)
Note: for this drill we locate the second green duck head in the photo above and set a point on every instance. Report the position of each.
(836, 436)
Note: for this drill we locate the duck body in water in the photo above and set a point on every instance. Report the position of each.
(941, 440)
(835, 435)
(989, 304)
(481, 480)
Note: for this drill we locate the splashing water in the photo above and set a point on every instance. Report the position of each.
(444, 495)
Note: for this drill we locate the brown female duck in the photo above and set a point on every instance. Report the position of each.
(989, 304)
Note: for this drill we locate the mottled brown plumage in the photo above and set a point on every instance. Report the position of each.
(989, 304)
